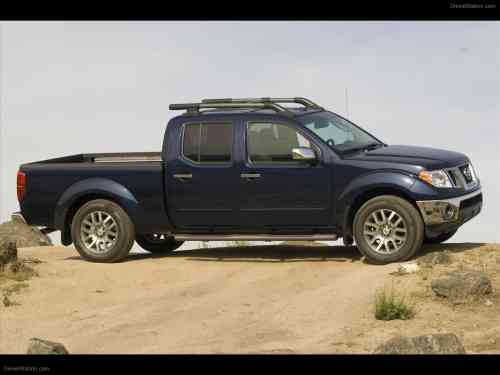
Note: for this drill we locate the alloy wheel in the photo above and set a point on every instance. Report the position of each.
(385, 231)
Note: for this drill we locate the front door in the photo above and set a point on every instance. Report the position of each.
(203, 180)
(278, 191)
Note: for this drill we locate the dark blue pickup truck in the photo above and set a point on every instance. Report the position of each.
(254, 169)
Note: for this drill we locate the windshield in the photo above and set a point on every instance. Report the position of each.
(339, 133)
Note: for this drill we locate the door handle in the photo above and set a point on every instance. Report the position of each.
(183, 177)
(250, 176)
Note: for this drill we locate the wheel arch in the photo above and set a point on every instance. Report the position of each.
(362, 190)
(85, 191)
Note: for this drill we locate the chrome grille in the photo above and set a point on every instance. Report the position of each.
(462, 176)
(466, 172)
(454, 180)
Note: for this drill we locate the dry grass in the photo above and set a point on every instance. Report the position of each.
(8, 291)
(13, 276)
(17, 271)
(391, 306)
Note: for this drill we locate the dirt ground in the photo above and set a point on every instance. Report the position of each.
(258, 299)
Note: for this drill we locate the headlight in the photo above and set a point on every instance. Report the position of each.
(437, 178)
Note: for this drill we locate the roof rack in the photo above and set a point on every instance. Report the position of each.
(195, 107)
(256, 103)
(305, 102)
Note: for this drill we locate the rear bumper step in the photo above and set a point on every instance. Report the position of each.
(18, 216)
(47, 230)
(255, 237)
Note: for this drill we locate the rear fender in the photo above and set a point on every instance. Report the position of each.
(89, 189)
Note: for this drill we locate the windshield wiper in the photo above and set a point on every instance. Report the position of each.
(367, 147)
(373, 146)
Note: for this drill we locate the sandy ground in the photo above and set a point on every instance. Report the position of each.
(259, 299)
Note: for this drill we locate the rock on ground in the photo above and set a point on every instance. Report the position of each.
(39, 346)
(406, 268)
(8, 253)
(436, 257)
(462, 284)
(443, 343)
(23, 235)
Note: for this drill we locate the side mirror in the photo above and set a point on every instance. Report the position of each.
(303, 154)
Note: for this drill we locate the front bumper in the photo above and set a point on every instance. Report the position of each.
(447, 214)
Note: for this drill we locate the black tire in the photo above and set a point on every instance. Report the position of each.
(157, 244)
(440, 238)
(411, 220)
(123, 228)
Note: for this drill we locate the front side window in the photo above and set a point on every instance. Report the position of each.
(273, 143)
(208, 143)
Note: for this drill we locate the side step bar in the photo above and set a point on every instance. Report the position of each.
(255, 237)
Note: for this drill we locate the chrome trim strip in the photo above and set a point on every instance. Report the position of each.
(255, 237)
(250, 175)
(181, 176)
(124, 159)
(303, 153)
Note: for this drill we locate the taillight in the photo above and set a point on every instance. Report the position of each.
(21, 185)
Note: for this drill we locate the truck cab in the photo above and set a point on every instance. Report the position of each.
(254, 169)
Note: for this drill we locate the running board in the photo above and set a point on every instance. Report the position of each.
(255, 237)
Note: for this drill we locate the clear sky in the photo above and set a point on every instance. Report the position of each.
(78, 87)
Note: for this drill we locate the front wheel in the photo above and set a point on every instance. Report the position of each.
(388, 229)
(157, 243)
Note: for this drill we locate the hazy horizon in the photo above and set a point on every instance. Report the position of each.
(81, 87)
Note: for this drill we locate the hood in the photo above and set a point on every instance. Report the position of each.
(429, 158)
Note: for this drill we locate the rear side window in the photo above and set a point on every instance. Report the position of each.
(208, 143)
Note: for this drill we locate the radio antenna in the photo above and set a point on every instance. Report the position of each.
(346, 103)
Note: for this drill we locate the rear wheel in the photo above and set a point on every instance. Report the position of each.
(388, 229)
(157, 243)
(102, 231)
(440, 238)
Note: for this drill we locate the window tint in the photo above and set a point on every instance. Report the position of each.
(336, 131)
(190, 147)
(271, 143)
(208, 143)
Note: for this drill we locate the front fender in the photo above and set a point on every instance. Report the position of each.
(101, 187)
(369, 185)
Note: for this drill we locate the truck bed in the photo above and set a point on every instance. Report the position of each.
(139, 174)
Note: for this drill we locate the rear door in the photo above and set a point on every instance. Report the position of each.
(202, 180)
(276, 190)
